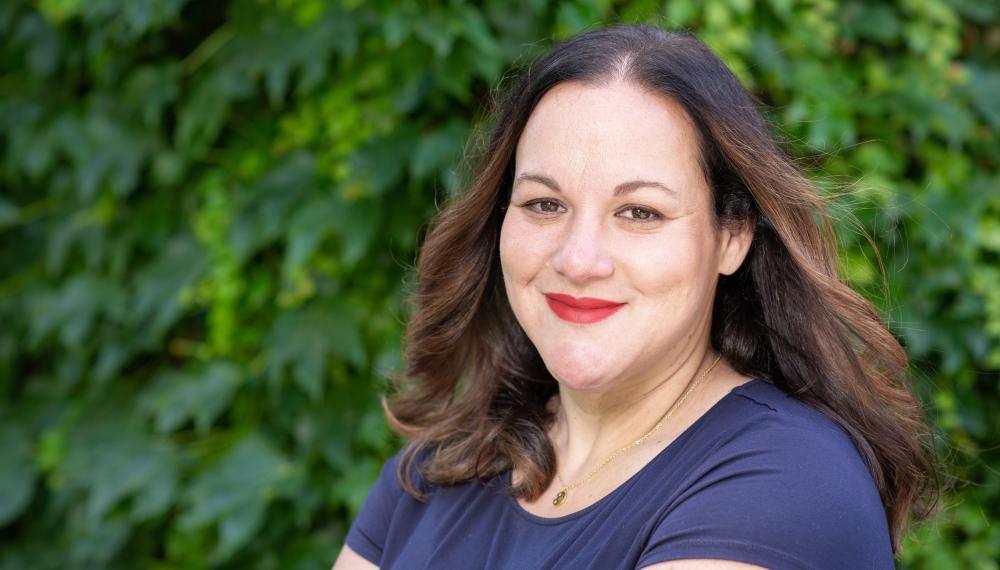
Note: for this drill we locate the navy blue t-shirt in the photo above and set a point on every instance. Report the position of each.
(760, 478)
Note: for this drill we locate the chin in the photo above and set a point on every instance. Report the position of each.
(579, 378)
(579, 366)
(584, 385)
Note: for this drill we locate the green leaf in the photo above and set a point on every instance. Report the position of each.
(306, 338)
(234, 493)
(17, 473)
(877, 22)
(110, 459)
(151, 90)
(159, 286)
(72, 310)
(202, 116)
(177, 397)
(9, 213)
(438, 149)
(265, 207)
(983, 85)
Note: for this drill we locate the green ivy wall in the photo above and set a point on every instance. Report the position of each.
(209, 213)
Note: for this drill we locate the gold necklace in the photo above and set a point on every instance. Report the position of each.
(560, 497)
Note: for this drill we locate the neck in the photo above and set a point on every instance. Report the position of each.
(591, 425)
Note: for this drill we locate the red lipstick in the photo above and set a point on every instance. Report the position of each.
(583, 310)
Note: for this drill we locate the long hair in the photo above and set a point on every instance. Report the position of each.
(472, 399)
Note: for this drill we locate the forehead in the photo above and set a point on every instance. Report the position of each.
(609, 132)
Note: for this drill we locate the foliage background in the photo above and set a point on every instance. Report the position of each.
(210, 212)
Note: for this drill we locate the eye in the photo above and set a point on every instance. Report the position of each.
(640, 214)
(543, 206)
(635, 214)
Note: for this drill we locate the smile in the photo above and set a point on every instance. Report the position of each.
(585, 310)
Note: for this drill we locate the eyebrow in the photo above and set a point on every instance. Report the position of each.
(623, 188)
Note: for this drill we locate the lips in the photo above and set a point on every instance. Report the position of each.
(582, 310)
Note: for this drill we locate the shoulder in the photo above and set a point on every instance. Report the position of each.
(404, 465)
(782, 486)
(791, 447)
(778, 429)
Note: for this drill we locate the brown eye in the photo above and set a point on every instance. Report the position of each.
(543, 206)
(638, 214)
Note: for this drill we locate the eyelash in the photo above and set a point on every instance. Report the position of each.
(653, 214)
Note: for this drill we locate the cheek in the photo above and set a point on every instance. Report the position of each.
(673, 263)
(522, 252)
(507, 260)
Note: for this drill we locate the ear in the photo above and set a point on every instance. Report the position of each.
(734, 244)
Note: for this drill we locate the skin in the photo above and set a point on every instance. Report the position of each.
(350, 560)
(653, 247)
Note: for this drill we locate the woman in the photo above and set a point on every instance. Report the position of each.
(631, 348)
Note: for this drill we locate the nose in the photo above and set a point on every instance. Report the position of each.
(582, 256)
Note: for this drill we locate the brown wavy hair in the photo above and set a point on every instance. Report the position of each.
(472, 399)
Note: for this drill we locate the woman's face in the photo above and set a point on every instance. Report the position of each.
(609, 202)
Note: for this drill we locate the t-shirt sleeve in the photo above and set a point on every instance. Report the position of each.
(368, 533)
(780, 498)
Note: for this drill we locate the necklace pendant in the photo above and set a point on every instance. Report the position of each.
(560, 497)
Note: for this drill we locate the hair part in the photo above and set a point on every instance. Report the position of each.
(472, 399)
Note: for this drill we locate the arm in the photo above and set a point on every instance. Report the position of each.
(350, 560)
(703, 564)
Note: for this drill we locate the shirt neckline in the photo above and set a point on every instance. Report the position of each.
(685, 435)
